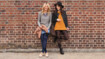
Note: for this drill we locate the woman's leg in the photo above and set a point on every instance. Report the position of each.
(60, 46)
(42, 53)
(55, 37)
(66, 37)
(59, 41)
(42, 39)
(45, 42)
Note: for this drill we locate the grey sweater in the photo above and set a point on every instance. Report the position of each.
(45, 20)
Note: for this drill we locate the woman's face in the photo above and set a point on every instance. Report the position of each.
(46, 8)
(58, 7)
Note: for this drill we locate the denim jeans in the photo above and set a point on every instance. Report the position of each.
(44, 38)
(45, 32)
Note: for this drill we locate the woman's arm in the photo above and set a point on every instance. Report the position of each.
(50, 21)
(66, 20)
(54, 18)
(39, 18)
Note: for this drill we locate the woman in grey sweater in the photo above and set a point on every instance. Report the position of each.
(44, 19)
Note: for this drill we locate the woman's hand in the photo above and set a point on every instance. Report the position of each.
(67, 28)
(46, 28)
(58, 20)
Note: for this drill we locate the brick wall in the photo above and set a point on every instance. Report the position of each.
(18, 20)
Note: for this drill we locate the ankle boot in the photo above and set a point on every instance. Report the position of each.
(61, 50)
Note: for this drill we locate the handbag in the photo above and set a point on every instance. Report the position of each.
(52, 31)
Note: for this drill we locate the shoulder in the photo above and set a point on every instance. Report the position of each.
(50, 13)
(53, 11)
(63, 11)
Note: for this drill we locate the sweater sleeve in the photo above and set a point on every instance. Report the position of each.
(66, 19)
(39, 18)
(54, 18)
(50, 21)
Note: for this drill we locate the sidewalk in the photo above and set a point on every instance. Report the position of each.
(53, 55)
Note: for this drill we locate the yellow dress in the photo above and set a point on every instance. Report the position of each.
(60, 24)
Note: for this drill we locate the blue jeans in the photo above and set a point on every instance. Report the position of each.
(45, 32)
(44, 38)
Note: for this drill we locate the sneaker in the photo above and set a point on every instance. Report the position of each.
(46, 54)
(41, 54)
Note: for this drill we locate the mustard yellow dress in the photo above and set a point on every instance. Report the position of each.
(60, 24)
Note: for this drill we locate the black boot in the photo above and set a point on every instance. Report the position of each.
(61, 50)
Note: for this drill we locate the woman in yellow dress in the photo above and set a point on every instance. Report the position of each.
(60, 22)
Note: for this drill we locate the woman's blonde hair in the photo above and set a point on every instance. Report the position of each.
(46, 4)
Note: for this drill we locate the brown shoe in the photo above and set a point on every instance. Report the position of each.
(41, 54)
(46, 54)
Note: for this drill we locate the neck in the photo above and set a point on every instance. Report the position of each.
(58, 10)
(45, 11)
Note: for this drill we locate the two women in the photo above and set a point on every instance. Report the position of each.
(59, 20)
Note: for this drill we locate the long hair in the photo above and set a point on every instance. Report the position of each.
(46, 4)
(61, 9)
